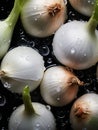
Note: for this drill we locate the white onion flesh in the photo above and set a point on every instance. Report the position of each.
(42, 18)
(75, 46)
(84, 112)
(22, 66)
(43, 119)
(84, 7)
(59, 86)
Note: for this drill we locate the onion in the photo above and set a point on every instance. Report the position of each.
(59, 86)
(84, 7)
(31, 116)
(22, 66)
(42, 18)
(84, 112)
(75, 44)
(7, 27)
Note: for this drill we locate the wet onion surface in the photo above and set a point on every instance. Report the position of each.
(10, 101)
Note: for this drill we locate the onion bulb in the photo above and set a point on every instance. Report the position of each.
(59, 86)
(22, 66)
(7, 27)
(75, 43)
(42, 18)
(31, 116)
(84, 112)
(84, 7)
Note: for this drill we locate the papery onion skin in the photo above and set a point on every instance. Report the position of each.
(42, 18)
(84, 112)
(75, 46)
(84, 7)
(42, 120)
(59, 86)
(22, 66)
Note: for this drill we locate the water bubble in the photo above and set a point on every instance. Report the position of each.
(2, 9)
(44, 50)
(61, 114)
(2, 100)
(49, 61)
(48, 107)
(7, 85)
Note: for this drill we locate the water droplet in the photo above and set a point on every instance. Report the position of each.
(49, 61)
(10, 24)
(2, 9)
(2, 100)
(44, 50)
(9, 41)
(58, 99)
(85, 54)
(48, 107)
(61, 114)
(72, 51)
(37, 125)
(35, 19)
(65, 1)
(14, 108)
(7, 85)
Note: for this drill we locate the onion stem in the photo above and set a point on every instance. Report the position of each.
(13, 16)
(27, 101)
(93, 21)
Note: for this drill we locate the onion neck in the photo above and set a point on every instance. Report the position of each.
(93, 21)
(81, 111)
(54, 9)
(74, 81)
(29, 110)
(2, 73)
(13, 16)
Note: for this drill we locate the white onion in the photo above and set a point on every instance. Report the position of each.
(84, 112)
(31, 116)
(59, 86)
(42, 18)
(83, 6)
(22, 66)
(75, 43)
